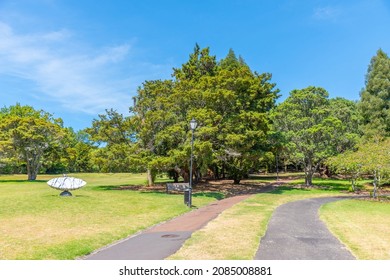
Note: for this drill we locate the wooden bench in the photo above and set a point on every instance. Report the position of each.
(178, 187)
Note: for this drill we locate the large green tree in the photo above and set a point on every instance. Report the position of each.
(315, 130)
(117, 151)
(26, 135)
(375, 98)
(230, 104)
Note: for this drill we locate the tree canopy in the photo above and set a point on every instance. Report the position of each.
(26, 135)
(230, 104)
(375, 98)
(314, 125)
(240, 127)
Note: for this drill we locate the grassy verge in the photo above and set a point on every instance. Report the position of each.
(363, 226)
(38, 224)
(236, 233)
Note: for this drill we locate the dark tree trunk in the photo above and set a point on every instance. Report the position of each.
(216, 172)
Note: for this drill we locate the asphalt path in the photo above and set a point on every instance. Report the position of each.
(163, 240)
(295, 232)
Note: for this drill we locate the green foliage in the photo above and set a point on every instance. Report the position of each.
(347, 164)
(117, 148)
(27, 136)
(375, 98)
(370, 158)
(230, 104)
(314, 127)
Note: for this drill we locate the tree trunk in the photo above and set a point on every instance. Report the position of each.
(375, 183)
(216, 172)
(32, 168)
(186, 176)
(277, 167)
(31, 174)
(150, 177)
(237, 178)
(309, 176)
(175, 177)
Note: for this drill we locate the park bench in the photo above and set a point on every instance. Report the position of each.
(178, 187)
(181, 187)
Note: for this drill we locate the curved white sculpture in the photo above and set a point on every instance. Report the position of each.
(66, 184)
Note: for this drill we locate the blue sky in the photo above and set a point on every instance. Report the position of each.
(76, 58)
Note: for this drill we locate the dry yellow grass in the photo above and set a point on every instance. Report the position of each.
(236, 233)
(363, 226)
(36, 223)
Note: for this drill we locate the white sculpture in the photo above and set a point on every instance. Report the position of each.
(65, 184)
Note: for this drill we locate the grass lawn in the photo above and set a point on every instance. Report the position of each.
(363, 226)
(236, 233)
(36, 223)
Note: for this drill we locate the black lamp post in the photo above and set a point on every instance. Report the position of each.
(193, 125)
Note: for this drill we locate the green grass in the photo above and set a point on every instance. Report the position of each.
(334, 184)
(36, 223)
(363, 226)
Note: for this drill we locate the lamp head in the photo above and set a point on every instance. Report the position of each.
(193, 124)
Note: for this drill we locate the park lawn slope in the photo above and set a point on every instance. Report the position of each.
(236, 233)
(363, 226)
(36, 223)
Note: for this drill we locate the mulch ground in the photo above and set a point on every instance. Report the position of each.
(226, 187)
(246, 187)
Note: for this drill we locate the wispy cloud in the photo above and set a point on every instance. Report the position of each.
(326, 13)
(64, 71)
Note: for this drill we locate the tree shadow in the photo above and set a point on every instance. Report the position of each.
(23, 181)
(323, 187)
(106, 188)
(285, 189)
(216, 195)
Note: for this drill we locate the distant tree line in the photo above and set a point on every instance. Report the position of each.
(241, 128)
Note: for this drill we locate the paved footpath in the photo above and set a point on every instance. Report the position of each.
(161, 241)
(295, 232)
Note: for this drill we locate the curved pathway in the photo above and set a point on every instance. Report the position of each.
(163, 240)
(295, 232)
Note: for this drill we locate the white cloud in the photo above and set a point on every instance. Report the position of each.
(326, 13)
(64, 71)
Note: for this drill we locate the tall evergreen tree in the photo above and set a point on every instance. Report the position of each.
(375, 98)
(230, 104)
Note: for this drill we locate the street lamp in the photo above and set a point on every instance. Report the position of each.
(193, 125)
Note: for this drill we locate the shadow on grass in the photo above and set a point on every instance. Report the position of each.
(160, 190)
(65, 197)
(273, 177)
(216, 195)
(285, 189)
(334, 187)
(23, 181)
(105, 188)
